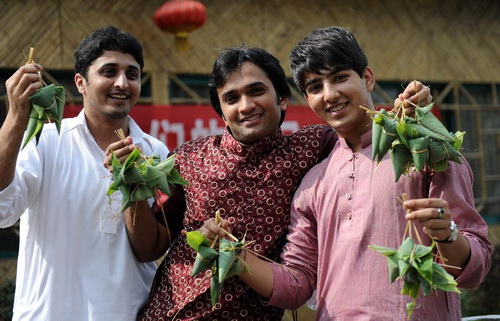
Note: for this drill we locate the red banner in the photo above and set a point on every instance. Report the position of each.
(175, 124)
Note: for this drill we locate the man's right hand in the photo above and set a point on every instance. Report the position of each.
(121, 149)
(20, 86)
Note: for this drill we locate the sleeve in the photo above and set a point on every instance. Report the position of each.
(294, 280)
(455, 186)
(22, 191)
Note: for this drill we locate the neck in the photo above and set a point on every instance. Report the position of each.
(104, 130)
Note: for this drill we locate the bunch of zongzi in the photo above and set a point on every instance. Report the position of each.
(47, 105)
(223, 264)
(140, 177)
(414, 264)
(414, 142)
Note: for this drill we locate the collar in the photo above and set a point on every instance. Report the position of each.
(262, 146)
(134, 130)
(366, 140)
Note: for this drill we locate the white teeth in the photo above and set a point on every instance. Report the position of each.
(337, 108)
(119, 96)
(251, 118)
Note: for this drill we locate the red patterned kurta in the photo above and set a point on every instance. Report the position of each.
(253, 190)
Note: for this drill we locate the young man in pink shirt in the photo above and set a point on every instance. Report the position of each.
(348, 202)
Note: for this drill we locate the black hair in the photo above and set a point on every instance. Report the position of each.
(107, 38)
(331, 48)
(231, 59)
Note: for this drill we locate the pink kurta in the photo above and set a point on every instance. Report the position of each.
(345, 204)
(253, 190)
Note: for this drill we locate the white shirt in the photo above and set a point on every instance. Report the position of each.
(75, 261)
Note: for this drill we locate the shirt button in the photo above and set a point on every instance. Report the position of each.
(350, 175)
(350, 158)
(348, 196)
(349, 216)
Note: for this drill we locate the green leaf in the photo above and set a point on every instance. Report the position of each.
(425, 285)
(421, 251)
(175, 178)
(406, 249)
(441, 279)
(34, 128)
(441, 150)
(393, 265)
(419, 151)
(400, 157)
(167, 165)
(205, 258)
(45, 96)
(424, 131)
(195, 239)
(154, 177)
(425, 117)
(411, 289)
(410, 306)
(389, 134)
(227, 257)
(376, 133)
(215, 288)
(386, 251)
(404, 266)
(424, 267)
(140, 192)
(459, 138)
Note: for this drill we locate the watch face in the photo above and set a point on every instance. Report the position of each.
(454, 232)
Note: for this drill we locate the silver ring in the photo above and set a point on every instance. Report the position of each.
(440, 212)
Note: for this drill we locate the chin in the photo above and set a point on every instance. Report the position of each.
(118, 115)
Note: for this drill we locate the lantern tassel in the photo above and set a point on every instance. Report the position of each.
(181, 41)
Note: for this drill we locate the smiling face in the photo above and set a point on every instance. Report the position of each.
(112, 86)
(335, 97)
(250, 105)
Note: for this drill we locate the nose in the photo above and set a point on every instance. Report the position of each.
(331, 93)
(121, 81)
(247, 104)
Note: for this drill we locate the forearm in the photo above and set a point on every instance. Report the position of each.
(11, 136)
(261, 280)
(456, 254)
(149, 239)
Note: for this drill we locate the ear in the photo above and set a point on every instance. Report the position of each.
(369, 78)
(80, 83)
(223, 119)
(283, 103)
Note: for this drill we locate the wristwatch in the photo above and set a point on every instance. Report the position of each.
(453, 234)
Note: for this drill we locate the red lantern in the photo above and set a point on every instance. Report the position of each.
(180, 17)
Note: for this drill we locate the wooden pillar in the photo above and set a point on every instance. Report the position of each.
(160, 87)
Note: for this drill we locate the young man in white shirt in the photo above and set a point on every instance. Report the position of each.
(75, 261)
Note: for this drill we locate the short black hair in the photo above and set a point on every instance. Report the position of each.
(231, 59)
(100, 40)
(331, 48)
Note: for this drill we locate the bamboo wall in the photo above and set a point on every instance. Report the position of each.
(447, 40)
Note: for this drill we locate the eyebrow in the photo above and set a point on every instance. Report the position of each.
(248, 86)
(329, 73)
(114, 64)
(311, 82)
